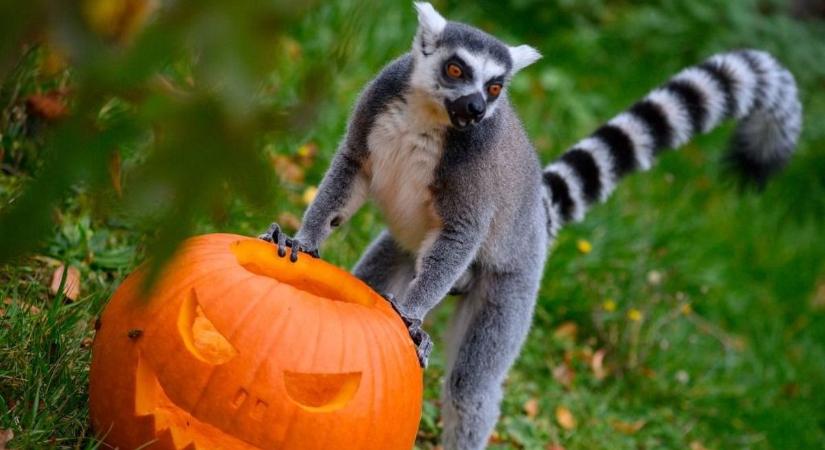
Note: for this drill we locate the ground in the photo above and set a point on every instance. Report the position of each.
(683, 313)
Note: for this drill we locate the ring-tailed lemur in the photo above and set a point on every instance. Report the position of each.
(435, 142)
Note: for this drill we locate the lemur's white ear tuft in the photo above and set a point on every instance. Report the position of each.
(429, 18)
(430, 26)
(523, 56)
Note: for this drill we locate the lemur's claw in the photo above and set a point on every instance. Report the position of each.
(275, 235)
(422, 341)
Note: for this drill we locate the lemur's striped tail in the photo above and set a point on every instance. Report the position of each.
(750, 86)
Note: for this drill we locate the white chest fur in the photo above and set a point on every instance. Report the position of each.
(405, 147)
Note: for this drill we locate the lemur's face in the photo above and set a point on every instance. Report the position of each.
(463, 68)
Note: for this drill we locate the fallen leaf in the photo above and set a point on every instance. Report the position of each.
(531, 408)
(287, 170)
(584, 246)
(597, 364)
(818, 300)
(566, 331)
(495, 438)
(306, 154)
(554, 447)
(627, 427)
(49, 106)
(5, 437)
(71, 287)
(635, 315)
(86, 342)
(564, 374)
(696, 445)
(309, 194)
(117, 19)
(609, 305)
(565, 418)
(289, 221)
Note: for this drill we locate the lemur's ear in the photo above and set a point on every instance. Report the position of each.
(430, 26)
(523, 56)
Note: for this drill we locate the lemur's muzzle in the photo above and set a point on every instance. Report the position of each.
(466, 110)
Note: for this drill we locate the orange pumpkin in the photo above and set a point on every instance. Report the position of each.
(237, 348)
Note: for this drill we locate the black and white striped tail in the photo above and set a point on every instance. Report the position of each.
(749, 86)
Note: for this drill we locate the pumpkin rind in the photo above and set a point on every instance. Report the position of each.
(221, 354)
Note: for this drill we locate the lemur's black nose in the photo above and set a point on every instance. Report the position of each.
(476, 107)
(467, 109)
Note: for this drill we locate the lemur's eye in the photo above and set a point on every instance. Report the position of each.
(453, 71)
(494, 89)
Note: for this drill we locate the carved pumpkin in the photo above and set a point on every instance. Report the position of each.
(237, 348)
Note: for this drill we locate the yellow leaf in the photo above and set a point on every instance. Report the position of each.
(531, 408)
(565, 418)
(686, 309)
(609, 305)
(584, 246)
(309, 194)
(635, 315)
(117, 19)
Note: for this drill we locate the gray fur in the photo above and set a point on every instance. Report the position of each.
(483, 212)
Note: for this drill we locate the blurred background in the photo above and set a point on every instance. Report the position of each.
(683, 313)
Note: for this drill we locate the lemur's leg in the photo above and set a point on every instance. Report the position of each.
(490, 328)
(385, 266)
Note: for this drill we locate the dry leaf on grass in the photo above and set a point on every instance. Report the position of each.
(696, 445)
(289, 221)
(287, 170)
(566, 331)
(565, 418)
(627, 427)
(564, 374)
(597, 364)
(49, 106)
(5, 437)
(554, 447)
(71, 287)
(531, 408)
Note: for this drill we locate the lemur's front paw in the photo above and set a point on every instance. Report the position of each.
(422, 341)
(275, 235)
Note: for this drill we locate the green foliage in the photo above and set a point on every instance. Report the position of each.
(708, 303)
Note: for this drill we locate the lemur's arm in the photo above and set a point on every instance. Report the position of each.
(346, 183)
(441, 265)
(466, 215)
(341, 193)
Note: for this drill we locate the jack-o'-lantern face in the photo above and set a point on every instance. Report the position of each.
(240, 349)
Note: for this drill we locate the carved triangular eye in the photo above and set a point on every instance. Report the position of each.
(200, 336)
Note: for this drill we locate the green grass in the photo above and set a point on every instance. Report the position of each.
(729, 286)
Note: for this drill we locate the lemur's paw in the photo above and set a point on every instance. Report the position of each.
(277, 236)
(422, 341)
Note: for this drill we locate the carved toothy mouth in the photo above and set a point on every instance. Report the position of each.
(172, 426)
